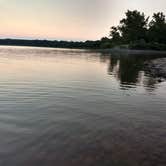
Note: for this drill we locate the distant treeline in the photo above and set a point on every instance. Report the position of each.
(49, 43)
(135, 31)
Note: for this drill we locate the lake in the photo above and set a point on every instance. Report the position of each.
(69, 107)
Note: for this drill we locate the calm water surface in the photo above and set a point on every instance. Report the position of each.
(79, 108)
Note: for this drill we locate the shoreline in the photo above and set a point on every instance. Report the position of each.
(107, 50)
(134, 51)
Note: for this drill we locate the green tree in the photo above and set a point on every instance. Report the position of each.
(157, 28)
(105, 42)
(134, 26)
(115, 34)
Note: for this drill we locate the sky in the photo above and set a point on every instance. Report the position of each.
(67, 19)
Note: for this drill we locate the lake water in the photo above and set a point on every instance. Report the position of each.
(79, 108)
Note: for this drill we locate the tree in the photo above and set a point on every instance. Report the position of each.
(105, 42)
(115, 34)
(157, 28)
(134, 26)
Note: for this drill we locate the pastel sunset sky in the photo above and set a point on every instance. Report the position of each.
(67, 19)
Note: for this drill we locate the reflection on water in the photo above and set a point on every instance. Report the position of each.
(130, 69)
(80, 107)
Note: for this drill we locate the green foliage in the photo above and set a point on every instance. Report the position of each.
(115, 34)
(105, 43)
(148, 46)
(138, 33)
(157, 28)
(134, 26)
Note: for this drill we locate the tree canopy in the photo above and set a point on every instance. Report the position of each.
(157, 28)
(136, 28)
